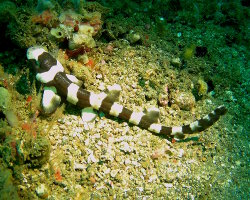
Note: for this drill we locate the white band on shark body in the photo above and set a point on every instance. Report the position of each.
(96, 99)
(135, 118)
(176, 129)
(48, 76)
(74, 79)
(72, 93)
(116, 109)
(34, 52)
(50, 99)
(156, 128)
(194, 125)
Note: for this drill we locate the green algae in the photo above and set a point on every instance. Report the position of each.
(8, 11)
(23, 85)
(8, 151)
(7, 189)
(4, 129)
(35, 151)
(5, 101)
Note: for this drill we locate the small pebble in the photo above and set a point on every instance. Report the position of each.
(78, 166)
(62, 127)
(238, 163)
(61, 121)
(99, 76)
(101, 86)
(181, 153)
(127, 162)
(65, 139)
(68, 123)
(125, 147)
(152, 178)
(185, 100)
(92, 158)
(42, 191)
(114, 172)
(168, 185)
(204, 159)
(176, 62)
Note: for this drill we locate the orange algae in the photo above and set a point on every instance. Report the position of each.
(28, 101)
(29, 128)
(58, 175)
(44, 18)
(173, 141)
(91, 63)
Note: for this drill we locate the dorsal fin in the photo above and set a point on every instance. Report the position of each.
(74, 79)
(50, 100)
(113, 93)
(153, 114)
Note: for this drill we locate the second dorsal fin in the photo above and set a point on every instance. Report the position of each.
(113, 93)
(153, 114)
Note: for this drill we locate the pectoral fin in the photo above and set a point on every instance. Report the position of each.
(50, 100)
